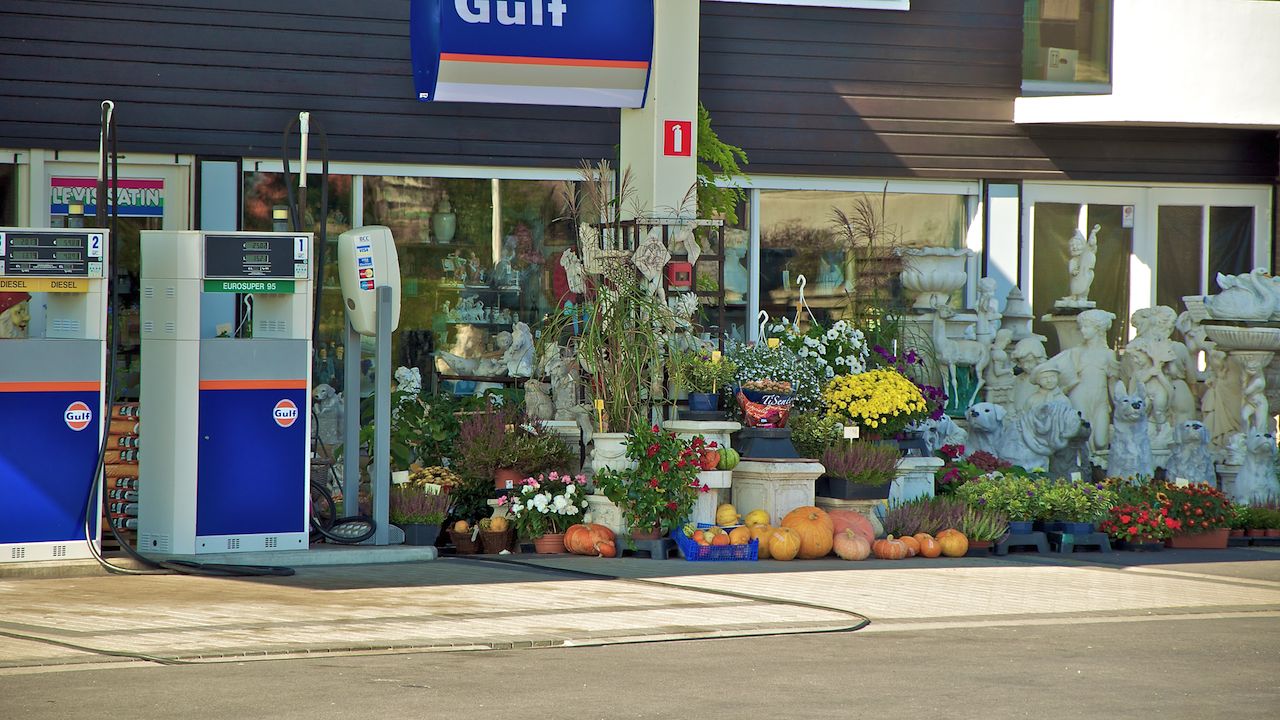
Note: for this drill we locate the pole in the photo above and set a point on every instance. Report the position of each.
(382, 421)
(351, 420)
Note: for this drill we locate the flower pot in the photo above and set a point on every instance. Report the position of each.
(1237, 532)
(931, 275)
(463, 543)
(495, 542)
(1215, 539)
(646, 535)
(704, 402)
(549, 544)
(1020, 527)
(506, 478)
(417, 534)
(841, 489)
(609, 452)
(1078, 528)
(1255, 532)
(1054, 526)
(980, 547)
(1273, 532)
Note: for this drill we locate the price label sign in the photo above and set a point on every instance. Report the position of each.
(851, 432)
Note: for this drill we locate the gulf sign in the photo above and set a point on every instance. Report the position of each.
(588, 53)
(77, 416)
(285, 413)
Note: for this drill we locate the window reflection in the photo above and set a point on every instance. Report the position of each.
(1067, 41)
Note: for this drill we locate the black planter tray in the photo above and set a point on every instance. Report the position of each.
(1038, 540)
(1260, 541)
(1140, 547)
(841, 489)
(1067, 542)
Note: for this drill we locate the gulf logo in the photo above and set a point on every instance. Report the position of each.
(285, 413)
(77, 416)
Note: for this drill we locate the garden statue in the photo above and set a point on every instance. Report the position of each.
(322, 370)
(564, 384)
(1087, 371)
(1256, 481)
(15, 315)
(1047, 380)
(1027, 354)
(1000, 377)
(1154, 359)
(1251, 296)
(1074, 460)
(988, 309)
(1254, 413)
(1084, 256)
(830, 273)
(329, 413)
(986, 427)
(736, 279)
(1130, 456)
(943, 431)
(651, 258)
(537, 401)
(1032, 437)
(1191, 459)
(1195, 340)
(1017, 315)
(519, 357)
(575, 273)
(952, 354)
(449, 364)
(1216, 408)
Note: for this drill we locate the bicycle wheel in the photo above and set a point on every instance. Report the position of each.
(324, 511)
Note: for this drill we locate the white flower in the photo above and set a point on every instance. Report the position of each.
(804, 352)
(570, 490)
(830, 373)
(810, 342)
(831, 334)
(560, 502)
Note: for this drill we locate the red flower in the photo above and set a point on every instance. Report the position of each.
(714, 444)
(653, 482)
(666, 466)
(1133, 530)
(1126, 519)
(704, 488)
(657, 429)
(672, 506)
(653, 450)
(1172, 524)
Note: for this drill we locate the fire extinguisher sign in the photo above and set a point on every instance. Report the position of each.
(677, 138)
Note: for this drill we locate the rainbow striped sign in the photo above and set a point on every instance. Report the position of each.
(589, 53)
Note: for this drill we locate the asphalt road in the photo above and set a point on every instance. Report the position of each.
(1200, 667)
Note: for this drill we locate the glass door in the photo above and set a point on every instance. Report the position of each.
(1202, 233)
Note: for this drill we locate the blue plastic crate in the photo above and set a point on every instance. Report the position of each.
(693, 552)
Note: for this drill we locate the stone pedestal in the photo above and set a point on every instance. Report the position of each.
(1065, 326)
(777, 486)
(870, 509)
(704, 510)
(717, 431)
(1227, 478)
(915, 479)
(571, 435)
(602, 511)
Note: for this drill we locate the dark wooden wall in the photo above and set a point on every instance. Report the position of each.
(809, 91)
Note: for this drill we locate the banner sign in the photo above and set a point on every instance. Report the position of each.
(137, 198)
(590, 53)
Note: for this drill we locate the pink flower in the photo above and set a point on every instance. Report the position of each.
(502, 500)
(666, 466)
(554, 475)
(581, 479)
(705, 488)
(672, 506)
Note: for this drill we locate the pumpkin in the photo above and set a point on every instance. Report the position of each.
(761, 534)
(913, 545)
(740, 535)
(729, 458)
(814, 527)
(608, 549)
(929, 547)
(721, 539)
(850, 545)
(462, 526)
(757, 517)
(590, 539)
(853, 520)
(499, 524)
(727, 514)
(889, 549)
(784, 543)
(953, 543)
(710, 459)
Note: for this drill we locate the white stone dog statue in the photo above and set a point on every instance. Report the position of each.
(1035, 435)
(1130, 455)
(1256, 482)
(986, 427)
(941, 432)
(1191, 459)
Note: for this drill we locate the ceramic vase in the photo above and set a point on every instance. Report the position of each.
(933, 274)
(444, 223)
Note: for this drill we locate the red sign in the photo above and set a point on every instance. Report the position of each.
(677, 138)
(285, 413)
(77, 416)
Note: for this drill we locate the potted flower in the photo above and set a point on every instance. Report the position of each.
(1076, 506)
(703, 375)
(1203, 512)
(958, 469)
(838, 350)
(418, 511)
(659, 493)
(1141, 524)
(858, 470)
(983, 527)
(1013, 494)
(882, 402)
(544, 507)
(929, 515)
(778, 363)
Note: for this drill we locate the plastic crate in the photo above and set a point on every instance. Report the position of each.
(693, 552)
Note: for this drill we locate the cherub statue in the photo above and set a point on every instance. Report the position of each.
(1000, 377)
(575, 273)
(519, 357)
(987, 309)
(1254, 415)
(1084, 256)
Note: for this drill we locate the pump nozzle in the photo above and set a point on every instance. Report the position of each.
(304, 124)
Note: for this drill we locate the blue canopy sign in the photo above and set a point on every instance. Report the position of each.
(592, 53)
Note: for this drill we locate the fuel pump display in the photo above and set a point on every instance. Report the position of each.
(51, 389)
(225, 466)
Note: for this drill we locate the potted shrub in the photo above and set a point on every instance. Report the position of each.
(703, 375)
(958, 469)
(1238, 520)
(1203, 513)
(1076, 507)
(418, 512)
(1140, 524)
(929, 515)
(813, 432)
(544, 507)
(882, 402)
(1013, 494)
(983, 527)
(659, 493)
(858, 470)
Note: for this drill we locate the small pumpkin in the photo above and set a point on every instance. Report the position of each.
(889, 549)
(953, 543)
(913, 545)
(761, 533)
(756, 517)
(740, 535)
(721, 539)
(854, 520)
(815, 530)
(499, 524)
(462, 526)
(929, 547)
(727, 514)
(850, 545)
(784, 543)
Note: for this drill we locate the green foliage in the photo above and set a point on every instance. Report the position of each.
(717, 160)
(813, 432)
(411, 505)
(696, 371)
(983, 525)
(661, 490)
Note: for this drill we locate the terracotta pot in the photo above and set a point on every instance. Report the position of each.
(1237, 532)
(651, 534)
(1273, 532)
(1209, 540)
(506, 478)
(549, 544)
(1255, 532)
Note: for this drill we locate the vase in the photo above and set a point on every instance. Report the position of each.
(609, 452)
(704, 402)
(506, 478)
(646, 535)
(444, 223)
(1020, 527)
(419, 534)
(549, 544)
(933, 274)
(1215, 539)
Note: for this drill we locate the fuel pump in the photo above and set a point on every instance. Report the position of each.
(52, 390)
(228, 419)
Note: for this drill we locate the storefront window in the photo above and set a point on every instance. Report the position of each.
(802, 232)
(1178, 270)
(8, 196)
(1230, 242)
(1066, 41)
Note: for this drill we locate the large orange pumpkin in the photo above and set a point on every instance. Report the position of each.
(815, 530)
(590, 539)
(953, 543)
(740, 535)
(761, 534)
(784, 543)
(889, 549)
(854, 520)
(913, 545)
(849, 545)
(928, 545)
